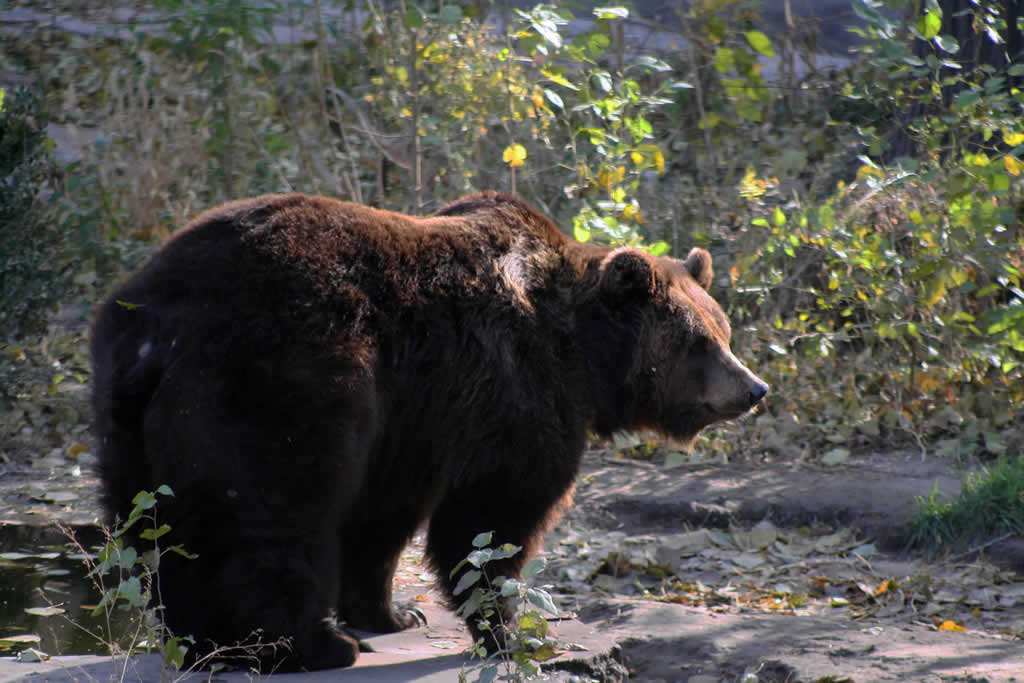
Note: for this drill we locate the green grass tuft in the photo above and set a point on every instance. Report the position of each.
(990, 504)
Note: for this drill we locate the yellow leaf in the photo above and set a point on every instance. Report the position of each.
(537, 98)
(934, 290)
(951, 626)
(544, 653)
(629, 211)
(514, 155)
(76, 450)
(659, 161)
(928, 384)
(405, 112)
(1013, 165)
(637, 157)
(865, 171)
(1013, 139)
(886, 586)
(778, 218)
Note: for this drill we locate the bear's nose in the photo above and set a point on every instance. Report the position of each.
(757, 392)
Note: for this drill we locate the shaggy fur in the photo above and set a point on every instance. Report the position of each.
(316, 379)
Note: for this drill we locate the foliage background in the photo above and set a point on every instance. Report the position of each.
(865, 220)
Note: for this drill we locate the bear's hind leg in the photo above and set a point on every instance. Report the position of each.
(370, 554)
(258, 493)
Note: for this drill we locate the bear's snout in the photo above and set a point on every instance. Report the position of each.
(757, 392)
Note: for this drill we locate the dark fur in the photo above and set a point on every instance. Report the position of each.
(315, 379)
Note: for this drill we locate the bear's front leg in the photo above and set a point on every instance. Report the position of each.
(517, 517)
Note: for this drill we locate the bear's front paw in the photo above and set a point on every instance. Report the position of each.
(395, 618)
(410, 614)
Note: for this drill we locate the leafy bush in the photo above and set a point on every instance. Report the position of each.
(876, 285)
(894, 307)
(128, 579)
(498, 604)
(30, 280)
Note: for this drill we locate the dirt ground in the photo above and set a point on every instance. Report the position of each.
(824, 592)
(776, 570)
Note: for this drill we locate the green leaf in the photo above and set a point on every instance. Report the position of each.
(553, 97)
(1000, 182)
(165, 490)
(467, 580)
(761, 43)
(153, 534)
(505, 551)
(659, 248)
(414, 17)
(131, 590)
(548, 30)
(174, 653)
(604, 81)
(144, 500)
(724, 59)
(533, 624)
(597, 43)
(652, 63)
(929, 25)
(947, 43)
(488, 674)
(481, 540)
(180, 550)
(966, 98)
(541, 599)
(611, 12)
(472, 605)
(127, 557)
(451, 15)
(533, 568)
(479, 558)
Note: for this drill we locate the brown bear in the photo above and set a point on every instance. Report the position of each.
(316, 379)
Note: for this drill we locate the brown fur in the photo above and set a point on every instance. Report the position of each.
(315, 379)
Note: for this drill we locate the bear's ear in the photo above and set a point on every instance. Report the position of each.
(699, 264)
(627, 273)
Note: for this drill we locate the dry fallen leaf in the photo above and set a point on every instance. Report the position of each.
(951, 626)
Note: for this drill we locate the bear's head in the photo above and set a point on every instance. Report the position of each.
(682, 375)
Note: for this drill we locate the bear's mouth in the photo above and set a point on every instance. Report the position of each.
(686, 425)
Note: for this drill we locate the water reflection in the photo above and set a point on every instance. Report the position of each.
(38, 569)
